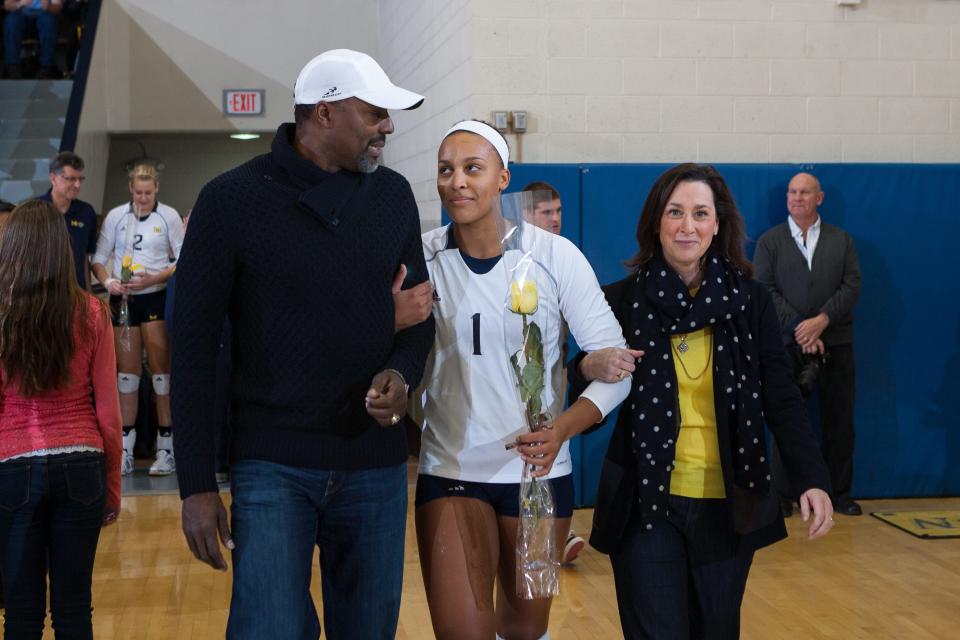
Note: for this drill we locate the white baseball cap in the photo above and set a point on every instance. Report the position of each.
(339, 74)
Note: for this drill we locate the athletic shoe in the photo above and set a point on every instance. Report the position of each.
(572, 549)
(164, 465)
(126, 463)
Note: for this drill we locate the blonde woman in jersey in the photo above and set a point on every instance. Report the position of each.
(467, 490)
(148, 235)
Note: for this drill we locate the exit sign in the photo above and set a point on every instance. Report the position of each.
(243, 102)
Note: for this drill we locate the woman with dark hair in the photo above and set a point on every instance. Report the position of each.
(59, 427)
(684, 497)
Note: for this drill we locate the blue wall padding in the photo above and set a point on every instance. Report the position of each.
(907, 326)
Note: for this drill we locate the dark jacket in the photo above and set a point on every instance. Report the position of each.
(832, 286)
(81, 222)
(756, 518)
(301, 262)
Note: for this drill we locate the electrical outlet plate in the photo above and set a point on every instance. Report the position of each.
(519, 119)
(500, 121)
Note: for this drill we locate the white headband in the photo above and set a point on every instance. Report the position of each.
(486, 132)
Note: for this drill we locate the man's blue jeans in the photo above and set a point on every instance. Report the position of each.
(14, 26)
(356, 518)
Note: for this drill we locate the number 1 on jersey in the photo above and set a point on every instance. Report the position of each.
(476, 335)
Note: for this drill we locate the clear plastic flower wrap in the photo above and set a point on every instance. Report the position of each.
(528, 322)
(123, 321)
(128, 268)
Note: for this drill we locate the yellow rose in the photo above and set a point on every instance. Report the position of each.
(523, 299)
(127, 261)
(136, 266)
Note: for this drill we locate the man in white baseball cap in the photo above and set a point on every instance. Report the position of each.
(298, 248)
(343, 73)
(346, 94)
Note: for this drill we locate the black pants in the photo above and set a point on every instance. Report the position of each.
(835, 387)
(685, 577)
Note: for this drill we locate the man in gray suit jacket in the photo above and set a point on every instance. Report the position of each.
(811, 268)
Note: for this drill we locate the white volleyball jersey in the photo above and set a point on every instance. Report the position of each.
(153, 241)
(472, 403)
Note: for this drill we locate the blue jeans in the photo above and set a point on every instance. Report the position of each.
(51, 511)
(357, 519)
(14, 26)
(684, 578)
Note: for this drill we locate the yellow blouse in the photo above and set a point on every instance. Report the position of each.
(697, 472)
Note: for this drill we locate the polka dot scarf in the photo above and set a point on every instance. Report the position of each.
(664, 307)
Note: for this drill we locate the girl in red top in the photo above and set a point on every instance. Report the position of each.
(59, 427)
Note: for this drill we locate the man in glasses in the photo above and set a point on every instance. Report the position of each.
(66, 178)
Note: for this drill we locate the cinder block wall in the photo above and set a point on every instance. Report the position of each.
(426, 46)
(723, 81)
(602, 80)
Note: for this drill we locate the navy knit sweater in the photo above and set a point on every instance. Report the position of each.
(301, 261)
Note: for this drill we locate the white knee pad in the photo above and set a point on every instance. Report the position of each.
(128, 383)
(161, 384)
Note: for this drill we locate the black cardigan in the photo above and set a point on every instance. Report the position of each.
(756, 517)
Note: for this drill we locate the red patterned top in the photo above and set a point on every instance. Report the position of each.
(85, 412)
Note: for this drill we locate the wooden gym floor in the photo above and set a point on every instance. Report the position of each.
(865, 580)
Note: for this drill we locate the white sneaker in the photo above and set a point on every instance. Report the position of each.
(126, 463)
(572, 549)
(164, 465)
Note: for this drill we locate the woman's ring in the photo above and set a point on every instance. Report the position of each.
(622, 374)
(395, 418)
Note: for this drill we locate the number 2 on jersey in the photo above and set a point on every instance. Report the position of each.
(137, 241)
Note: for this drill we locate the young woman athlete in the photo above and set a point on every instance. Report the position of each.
(467, 490)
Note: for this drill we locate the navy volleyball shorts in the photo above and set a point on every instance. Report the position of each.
(504, 498)
(143, 307)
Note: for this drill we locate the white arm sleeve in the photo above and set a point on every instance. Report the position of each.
(591, 321)
(176, 230)
(107, 240)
